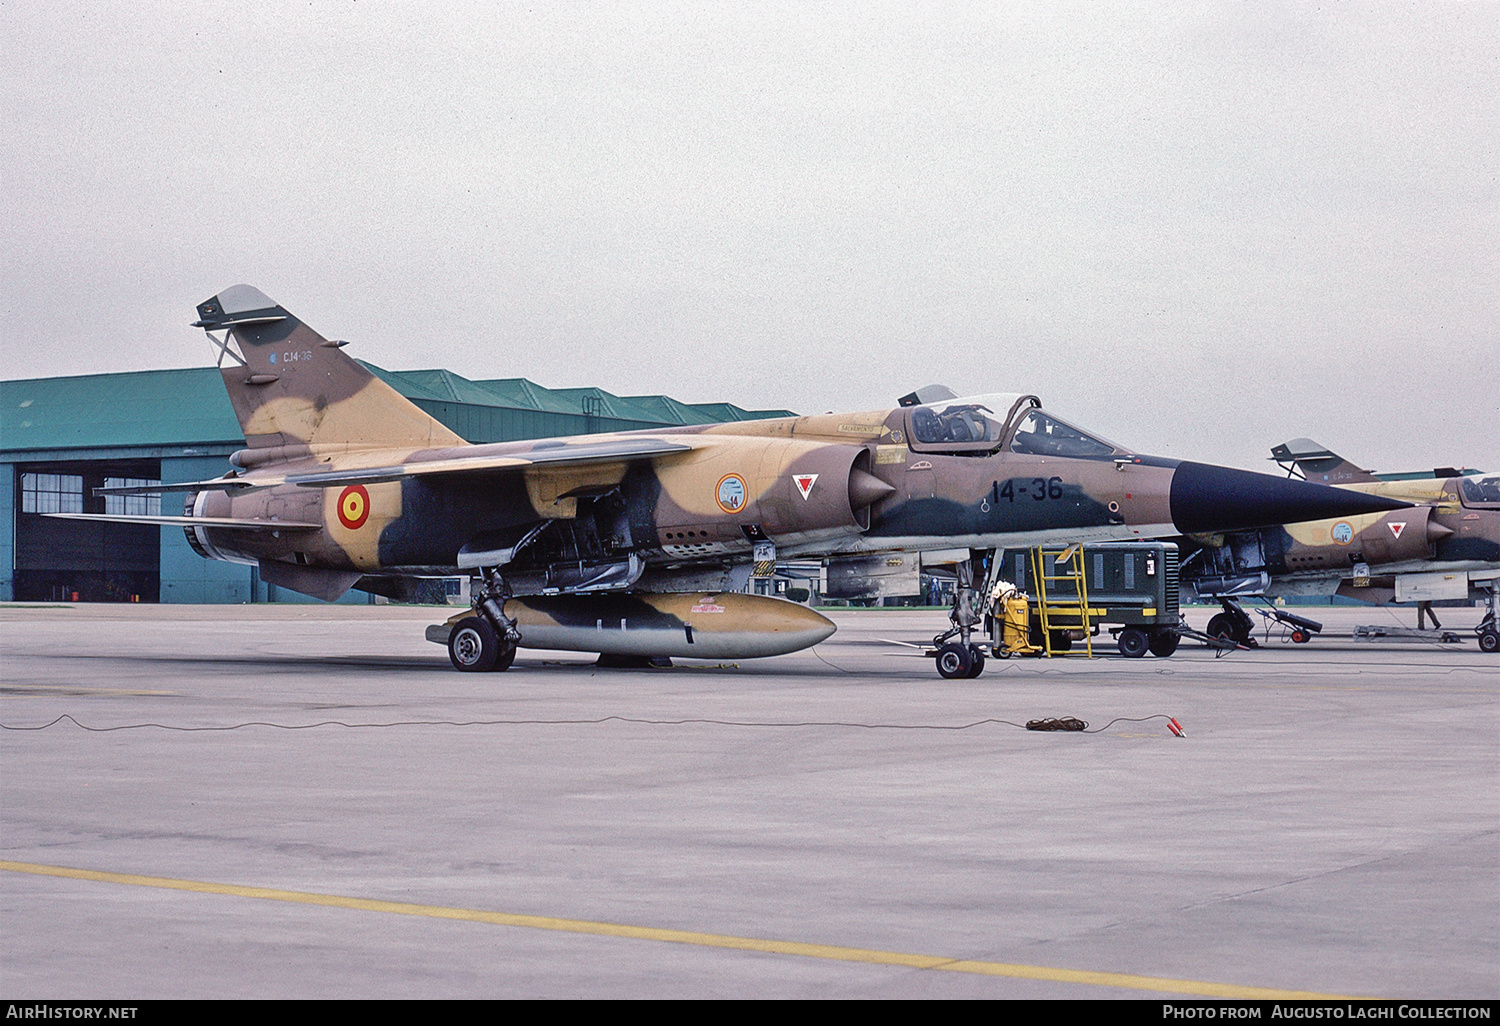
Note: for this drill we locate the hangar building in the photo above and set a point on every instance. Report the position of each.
(60, 438)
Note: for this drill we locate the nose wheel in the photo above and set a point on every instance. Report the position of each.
(956, 661)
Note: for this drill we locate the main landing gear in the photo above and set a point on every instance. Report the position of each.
(1233, 624)
(487, 640)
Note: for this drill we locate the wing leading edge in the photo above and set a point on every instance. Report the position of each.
(234, 523)
(560, 456)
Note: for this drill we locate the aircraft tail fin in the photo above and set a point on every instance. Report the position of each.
(292, 387)
(1317, 464)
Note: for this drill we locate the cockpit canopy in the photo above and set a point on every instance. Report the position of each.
(982, 424)
(1480, 492)
(960, 420)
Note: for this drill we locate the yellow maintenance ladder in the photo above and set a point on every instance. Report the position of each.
(1062, 596)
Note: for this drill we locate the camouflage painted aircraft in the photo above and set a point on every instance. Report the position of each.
(1445, 546)
(639, 543)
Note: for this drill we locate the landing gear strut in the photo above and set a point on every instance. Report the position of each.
(487, 640)
(963, 659)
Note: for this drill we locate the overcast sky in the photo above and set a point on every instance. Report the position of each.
(1199, 229)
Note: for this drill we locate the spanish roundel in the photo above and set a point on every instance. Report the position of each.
(354, 507)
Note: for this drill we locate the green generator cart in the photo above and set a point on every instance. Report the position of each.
(1129, 586)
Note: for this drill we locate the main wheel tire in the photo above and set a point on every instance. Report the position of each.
(1133, 642)
(1163, 643)
(954, 662)
(1489, 641)
(506, 656)
(474, 645)
(1062, 641)
(1221, 626)
(976, 655)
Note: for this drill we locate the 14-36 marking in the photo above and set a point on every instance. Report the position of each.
(1038, 489)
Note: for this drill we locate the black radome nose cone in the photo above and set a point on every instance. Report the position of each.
(1207, 499)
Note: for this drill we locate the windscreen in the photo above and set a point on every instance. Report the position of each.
(1043, 435)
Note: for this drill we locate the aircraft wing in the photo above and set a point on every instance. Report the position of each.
(559, 456)
(218, 484)
(234, 523)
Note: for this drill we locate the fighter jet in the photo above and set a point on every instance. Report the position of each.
(639, 543)
(1445, 546)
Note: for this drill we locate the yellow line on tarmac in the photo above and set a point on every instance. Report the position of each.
(706, 940)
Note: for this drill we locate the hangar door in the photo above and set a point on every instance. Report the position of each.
(80, 561)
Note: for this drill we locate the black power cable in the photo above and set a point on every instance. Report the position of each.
(1066, 723)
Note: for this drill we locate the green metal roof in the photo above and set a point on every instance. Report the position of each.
(665, 409)
(189, 407)
(416, 384)
(603, 404)
(521, 394)
(723, 413)
(142, 408)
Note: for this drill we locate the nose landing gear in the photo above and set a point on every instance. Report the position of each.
(964, 659)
